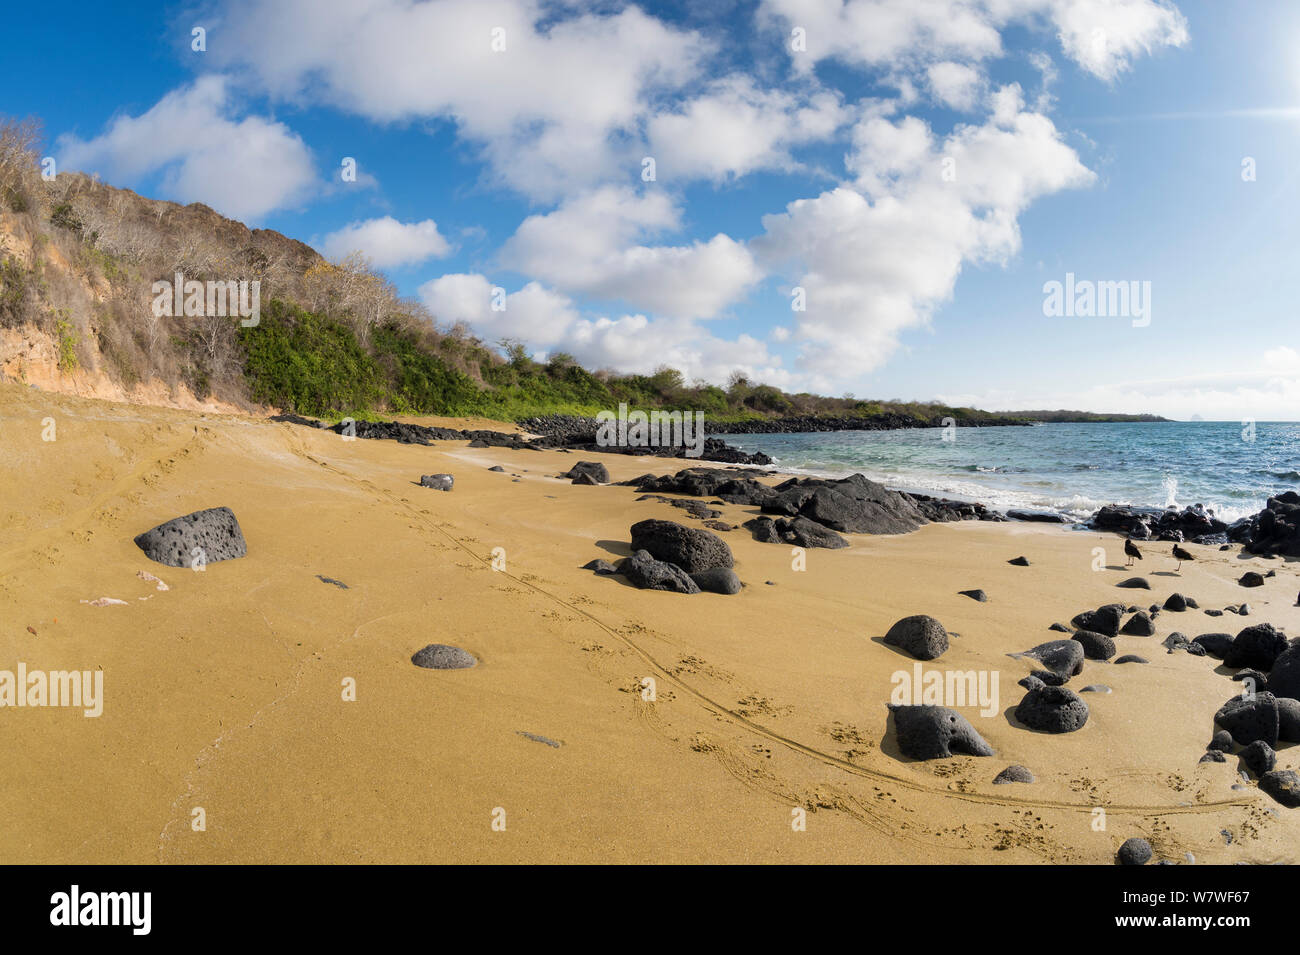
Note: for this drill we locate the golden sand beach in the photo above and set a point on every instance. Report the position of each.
(225, 696)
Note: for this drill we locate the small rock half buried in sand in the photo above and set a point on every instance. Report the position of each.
(203, 537)
(1135, 583)
(1013, 774)
(979, 595)
(439, 656)
(439, 482)
(1134, 851)
(1019, 561)
(1064, 657)
(936, 732)
(718, 580)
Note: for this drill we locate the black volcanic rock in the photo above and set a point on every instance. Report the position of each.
(693, 549)
(799, 532)
(440, 656)
(1013, 774)
(718, 580)
(1139, 625)
(935, 732)
(1288, 719)
(1096, 646)
(1283, 785)
(646, 573)
(920, 635)
(1250, 719)
(1284, 676)
(1019, 561)
(1258, 758)
(1135, 583)
(852, 505)
(598, 473)
(1274, 531)
(1102, 620)
(203, 537)
(1060, 656)
(1195, 523)
(977, 595)
(1131, 658)
(1041, 517)
(1258, 646)
(1222, 742)
(1052, 709)
(1176, 602)
(1215, 644)
(1251, 579)
(1134, 851)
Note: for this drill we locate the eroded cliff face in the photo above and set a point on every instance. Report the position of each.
(30, 356)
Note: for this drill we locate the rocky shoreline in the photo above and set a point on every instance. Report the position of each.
(1274, 531)
(573, 427)
(574, 438)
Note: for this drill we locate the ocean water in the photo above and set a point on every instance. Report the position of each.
(1070, 468)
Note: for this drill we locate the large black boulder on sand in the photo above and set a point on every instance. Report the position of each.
(921, 636)
(936, 732)
(1250, 718)
(1284, 678)
(215, 532)
(593, 469)
(692, 549)
(1258, 646)
(854, 505)
(1052, 709)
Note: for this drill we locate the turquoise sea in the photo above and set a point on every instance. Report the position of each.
(1071, 468)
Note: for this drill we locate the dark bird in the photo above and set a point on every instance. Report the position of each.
(1131, 549)
(1182, 555)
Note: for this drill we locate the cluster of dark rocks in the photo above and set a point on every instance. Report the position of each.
(1194, 523)
(1273, 532)
(807, 512)
(713, 448)
(669, 556)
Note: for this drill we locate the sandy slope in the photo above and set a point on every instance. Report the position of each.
(225, 692)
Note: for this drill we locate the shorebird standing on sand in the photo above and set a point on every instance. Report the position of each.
(1181, 556)
(1131, 549)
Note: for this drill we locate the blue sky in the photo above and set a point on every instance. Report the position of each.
(1103, 138)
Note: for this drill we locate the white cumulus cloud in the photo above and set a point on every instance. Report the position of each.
(388, 243)
(243, 168)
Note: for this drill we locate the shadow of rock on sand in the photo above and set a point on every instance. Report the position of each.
(617, 548)
(889, 742)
